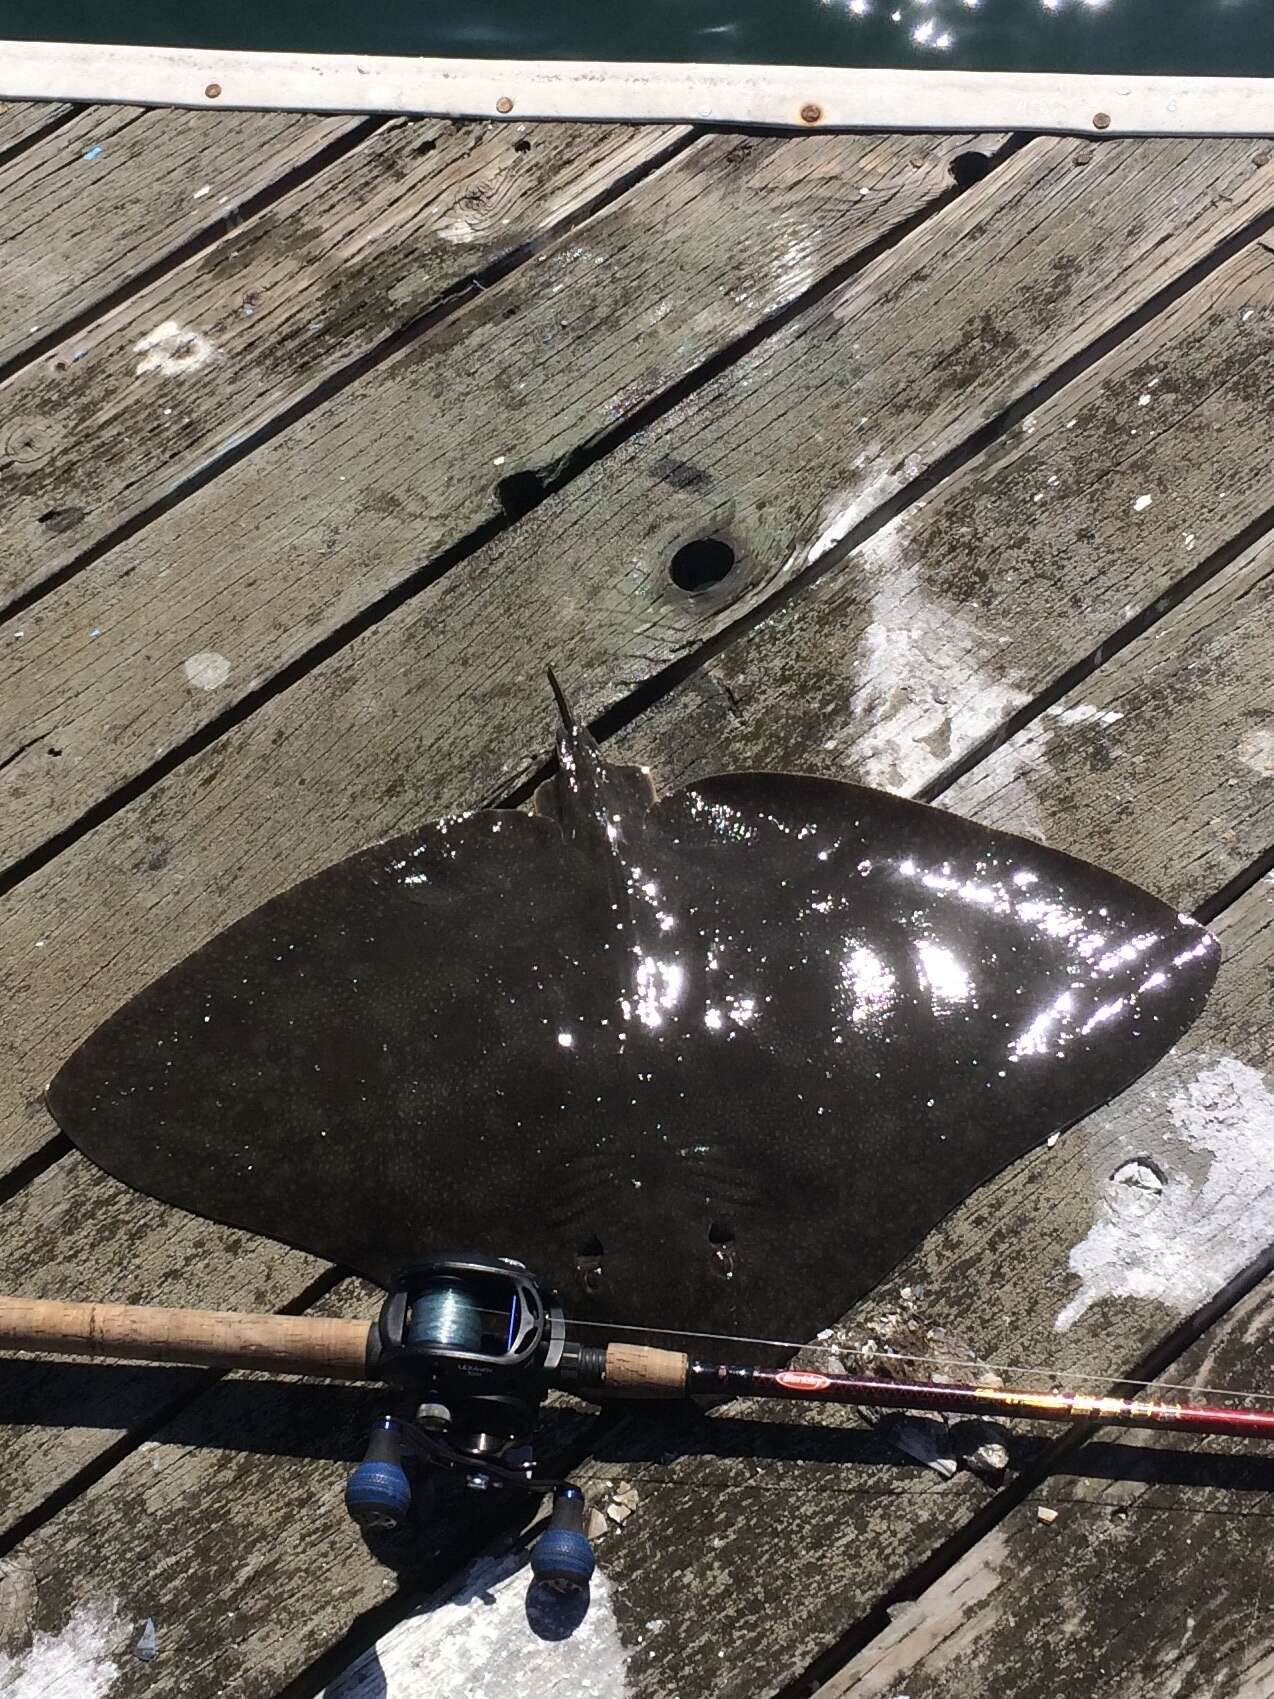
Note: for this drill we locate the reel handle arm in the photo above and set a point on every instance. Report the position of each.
(223, 1339)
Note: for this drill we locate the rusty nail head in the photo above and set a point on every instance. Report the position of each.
(212, 91)
(1083, 158)
(1101, 121)
(810, 114)
(504, 104)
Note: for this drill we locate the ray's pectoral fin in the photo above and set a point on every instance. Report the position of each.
(588, 796)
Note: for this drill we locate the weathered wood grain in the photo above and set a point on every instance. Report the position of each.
(1178, 1527)
(179, 1522)
(76, 1233)
(281, 549)
(78, 223)
(276, 306)
(925, 640)
(489, 1627)
(22, 119)
(1205, 669)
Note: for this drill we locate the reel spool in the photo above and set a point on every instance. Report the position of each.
(477, 1341)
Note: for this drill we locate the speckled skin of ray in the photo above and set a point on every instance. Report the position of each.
(716, 1060)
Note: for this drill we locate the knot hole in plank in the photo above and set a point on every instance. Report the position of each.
(519, 493)
(701, 564)
(969, 168)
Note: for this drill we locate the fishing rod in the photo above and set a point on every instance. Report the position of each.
(475, 1343)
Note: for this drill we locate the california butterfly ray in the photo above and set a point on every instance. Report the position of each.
(715, 1061)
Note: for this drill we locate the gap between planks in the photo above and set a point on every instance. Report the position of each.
(916, 493)
(192, 1384)
(362, 273)
(909, 492)
(1230, 1344)
(24, 123)
(576, 432)
(145, 220)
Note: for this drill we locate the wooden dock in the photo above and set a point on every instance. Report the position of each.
(939, 462)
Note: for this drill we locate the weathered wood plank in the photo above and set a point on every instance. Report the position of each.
(1178, 722)
(74, 1232)
(356, 497)
(1207, 668)
(1178, 1525)
(22, 119)
(276, 306)
(928, 637)
(526, 1647)
(79, 222)
(103, 1566)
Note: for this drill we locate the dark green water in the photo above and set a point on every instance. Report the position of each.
(1171, 37)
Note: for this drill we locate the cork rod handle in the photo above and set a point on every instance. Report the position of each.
(641, 1371)
(224, 1339)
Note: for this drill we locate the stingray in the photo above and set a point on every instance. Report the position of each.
(716, 1060)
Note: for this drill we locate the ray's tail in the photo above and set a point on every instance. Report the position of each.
(593, 800)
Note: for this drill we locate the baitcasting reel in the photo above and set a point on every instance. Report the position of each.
(476, 1342)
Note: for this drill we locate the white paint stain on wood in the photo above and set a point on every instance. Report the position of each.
(796, 270)
(838, 519)
(1256, 750)
(207, 670)
(172, 349)
(1084, 713)
(493, 1639)
(1174, 1237)
(926, 692)
(77, 1662)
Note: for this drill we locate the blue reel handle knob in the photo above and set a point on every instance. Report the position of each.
(562, 1557)
(378, 1493)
